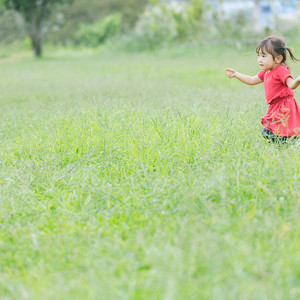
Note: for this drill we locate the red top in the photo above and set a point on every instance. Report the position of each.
(283, 116)
(274, 82)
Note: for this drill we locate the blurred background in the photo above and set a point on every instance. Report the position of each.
(138, 25)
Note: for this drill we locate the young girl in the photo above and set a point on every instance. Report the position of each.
(283, 116)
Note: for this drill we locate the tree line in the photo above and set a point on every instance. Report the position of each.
(35, 14)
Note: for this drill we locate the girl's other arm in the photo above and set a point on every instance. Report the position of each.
(251, 80)
(291, 83)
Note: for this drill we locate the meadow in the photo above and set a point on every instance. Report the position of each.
(143, 176)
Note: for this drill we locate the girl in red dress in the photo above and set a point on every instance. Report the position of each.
(282, 121)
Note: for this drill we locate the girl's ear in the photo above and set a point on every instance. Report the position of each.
(278, 59)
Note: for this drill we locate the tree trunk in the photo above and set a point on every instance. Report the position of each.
(36, 43)
(35, 28)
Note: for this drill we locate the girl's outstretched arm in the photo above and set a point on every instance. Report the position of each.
(292, 83)
(251, 80)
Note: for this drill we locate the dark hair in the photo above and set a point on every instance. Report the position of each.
(275, 46)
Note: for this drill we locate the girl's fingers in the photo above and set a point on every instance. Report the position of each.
(230, 73)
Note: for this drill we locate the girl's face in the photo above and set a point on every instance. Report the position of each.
(267, 62)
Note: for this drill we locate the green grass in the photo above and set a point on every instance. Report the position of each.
(143, 176)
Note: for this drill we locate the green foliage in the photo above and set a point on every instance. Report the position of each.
(237, 27)
(196, 9)
(162, 24)
(11, 26)
(156, 26)
(97, 33)
(141, 26)
(30, 8)
(64, 22)
(190, 24)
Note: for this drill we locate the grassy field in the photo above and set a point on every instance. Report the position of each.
(143, 176)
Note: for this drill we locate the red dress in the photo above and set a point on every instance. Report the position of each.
(283, 115)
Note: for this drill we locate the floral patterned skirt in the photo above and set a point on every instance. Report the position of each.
(283, 117)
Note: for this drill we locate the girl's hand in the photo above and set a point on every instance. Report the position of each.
(298, 81)
(292, 83)
(230, 73)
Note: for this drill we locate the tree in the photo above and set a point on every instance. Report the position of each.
(34, 13)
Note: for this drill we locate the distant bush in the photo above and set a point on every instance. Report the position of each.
(155, 27)
(237, 27)
(162, 24)
(63, 26)
(97, 33)
(11, 26)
